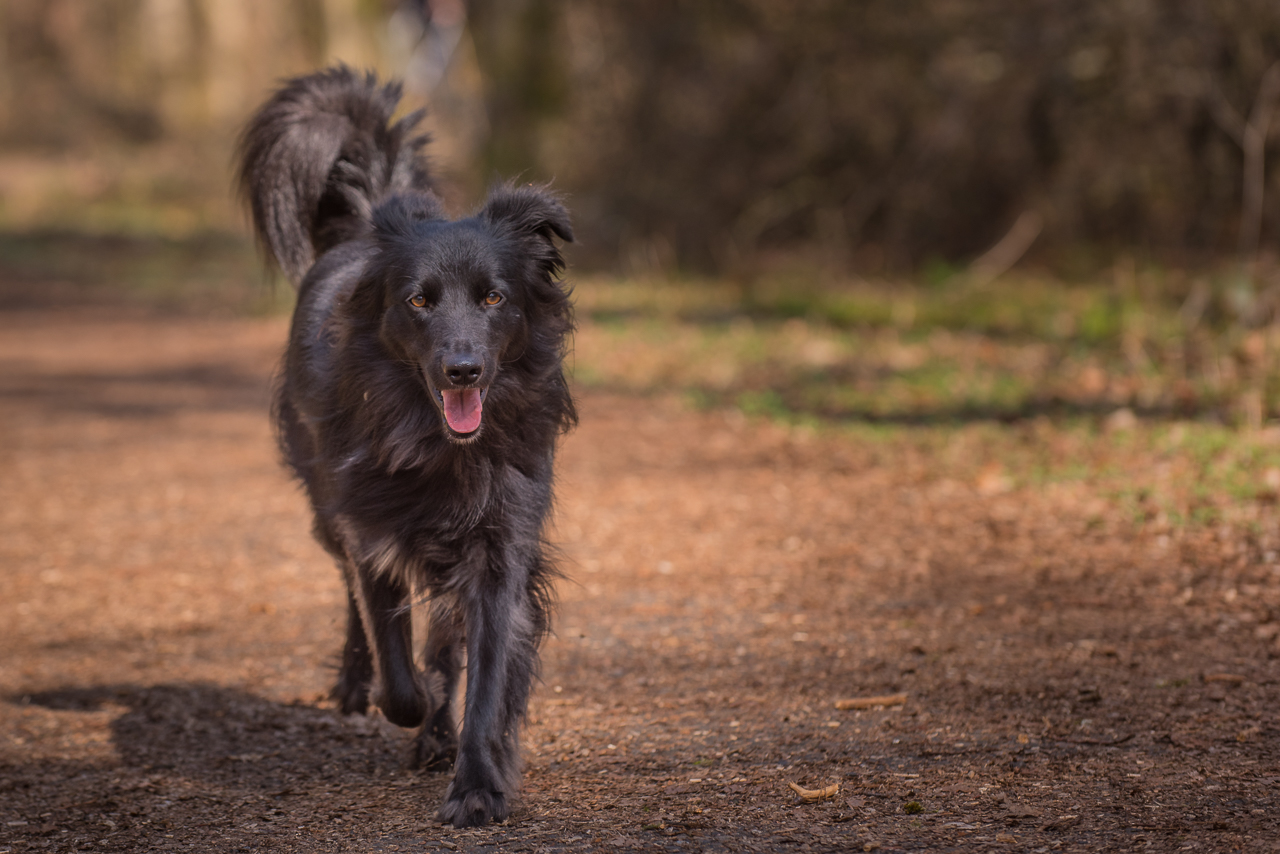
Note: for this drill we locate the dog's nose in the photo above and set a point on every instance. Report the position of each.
(463, 370)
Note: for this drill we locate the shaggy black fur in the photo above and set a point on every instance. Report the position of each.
(421, 401)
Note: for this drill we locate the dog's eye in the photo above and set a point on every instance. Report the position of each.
(418, 301)
(493, 298)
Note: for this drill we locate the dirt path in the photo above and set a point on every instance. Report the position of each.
(168, 632)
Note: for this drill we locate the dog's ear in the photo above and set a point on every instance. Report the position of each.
(534, 215)
(398, 214)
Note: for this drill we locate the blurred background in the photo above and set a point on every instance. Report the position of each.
(1088, 180)
(872, 136)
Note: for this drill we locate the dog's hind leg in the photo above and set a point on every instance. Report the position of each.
(437, 745)
(383, 602)
(355, 678)
(356, 675)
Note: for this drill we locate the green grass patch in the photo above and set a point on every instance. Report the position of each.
(1169, 418)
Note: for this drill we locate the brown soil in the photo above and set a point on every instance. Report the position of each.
(168, 632)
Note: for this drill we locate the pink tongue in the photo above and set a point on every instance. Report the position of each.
(462, 409)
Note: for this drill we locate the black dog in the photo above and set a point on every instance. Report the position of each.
(420, 405)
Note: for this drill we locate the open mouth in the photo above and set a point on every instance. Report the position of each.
(462, 408)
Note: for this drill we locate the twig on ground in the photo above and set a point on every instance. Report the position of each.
(812, 795)
(871, 702)
(1094, 742)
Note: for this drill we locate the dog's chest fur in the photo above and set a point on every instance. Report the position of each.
(439, 528)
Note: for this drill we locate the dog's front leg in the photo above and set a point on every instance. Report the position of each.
(384, 611)
(501, 650)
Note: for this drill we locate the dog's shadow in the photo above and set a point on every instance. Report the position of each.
(229, 737)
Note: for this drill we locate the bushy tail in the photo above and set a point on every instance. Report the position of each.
(317, 158)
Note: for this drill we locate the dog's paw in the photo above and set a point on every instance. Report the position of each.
(406, 707)
(473, 808)
(433, 751)
(352, 694)
(402, 698)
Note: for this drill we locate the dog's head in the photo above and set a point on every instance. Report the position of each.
(461, 300)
